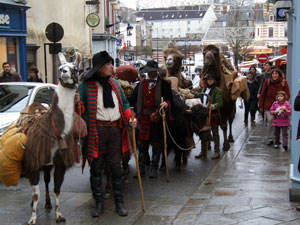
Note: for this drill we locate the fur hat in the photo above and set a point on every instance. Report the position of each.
(99, 59)
(151, 66)
(127, 72)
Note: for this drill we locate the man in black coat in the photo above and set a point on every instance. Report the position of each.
(146, 98)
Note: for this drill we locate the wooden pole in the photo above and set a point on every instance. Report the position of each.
(165, 141)
(207, 142)
(137, 164)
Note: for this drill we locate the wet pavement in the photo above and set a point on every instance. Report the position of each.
(249, 185)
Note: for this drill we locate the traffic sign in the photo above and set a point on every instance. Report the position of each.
(54, 32)
(262, 58)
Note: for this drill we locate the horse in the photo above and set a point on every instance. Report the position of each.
(50, 141)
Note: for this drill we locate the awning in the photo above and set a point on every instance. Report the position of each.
(282, 57)
(248, 63)
(261, 51)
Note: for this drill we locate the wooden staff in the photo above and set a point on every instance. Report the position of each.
(165, 141)
(137, 164)
(207, 142)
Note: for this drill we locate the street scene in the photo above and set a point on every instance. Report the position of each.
(149, 112)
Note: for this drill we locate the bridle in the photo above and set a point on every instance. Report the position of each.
(74, 77)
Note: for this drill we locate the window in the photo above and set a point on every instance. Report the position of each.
(8, 49)
(270, 31)
(271, 18)
(44, 95)
(257, 32)
(128, 43)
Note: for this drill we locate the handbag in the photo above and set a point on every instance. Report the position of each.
(79, 127)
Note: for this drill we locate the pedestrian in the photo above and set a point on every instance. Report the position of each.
(215, 94)
(251, 104)
(107, 113)
(268, 95)
(281, 111)
(146, 98)
(9, 74)
(34, 75)
(266, 75)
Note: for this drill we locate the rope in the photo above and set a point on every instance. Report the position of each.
(178, 146)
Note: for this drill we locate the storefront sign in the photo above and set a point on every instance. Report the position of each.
(93, 20)
(4, 19)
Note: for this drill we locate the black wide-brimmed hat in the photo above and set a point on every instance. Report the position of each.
(151, 66)
(99, 59)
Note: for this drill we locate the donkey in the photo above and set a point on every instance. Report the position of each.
(50, 140)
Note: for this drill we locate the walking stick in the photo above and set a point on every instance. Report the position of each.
(165, 141)
(207, 143)
(137, 164)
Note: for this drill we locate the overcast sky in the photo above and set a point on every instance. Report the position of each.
(163, 3)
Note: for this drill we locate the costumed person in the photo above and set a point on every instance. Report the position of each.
(251, 104)
(107, 113)
(34, 75)
(9, 74)
(281, 110)
(215, 93)
(146, 98)
(268, 96)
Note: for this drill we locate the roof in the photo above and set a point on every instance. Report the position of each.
(172, 13)
(13, 3)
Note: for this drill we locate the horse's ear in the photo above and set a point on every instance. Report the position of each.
(62, 58)
(77, 60)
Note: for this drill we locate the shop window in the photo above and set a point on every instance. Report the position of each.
(8, 49)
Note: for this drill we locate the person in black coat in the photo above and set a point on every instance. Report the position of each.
(146, 98)
(34, 75)
(251, 104)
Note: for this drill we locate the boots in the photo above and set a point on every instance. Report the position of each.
(143, 153)
(155, 161)
(118, 190)
(97, 186)
(252, 120)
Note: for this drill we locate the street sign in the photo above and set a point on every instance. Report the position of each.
(55, 48)
(92, 20)
(262, 58)
(281, 14)
(54, 32)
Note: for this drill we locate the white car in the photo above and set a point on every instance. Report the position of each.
(15, 96)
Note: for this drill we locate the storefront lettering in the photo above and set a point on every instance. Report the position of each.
(4, 19)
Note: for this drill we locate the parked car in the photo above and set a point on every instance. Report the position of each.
(15, 96)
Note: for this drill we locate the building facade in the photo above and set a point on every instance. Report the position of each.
(72, 18)
(13, 32)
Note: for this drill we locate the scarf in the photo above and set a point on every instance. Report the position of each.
(107, 92)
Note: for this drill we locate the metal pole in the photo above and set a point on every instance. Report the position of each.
(157, 43)
(45, 61)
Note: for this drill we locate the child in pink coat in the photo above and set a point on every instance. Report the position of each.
(281, 110)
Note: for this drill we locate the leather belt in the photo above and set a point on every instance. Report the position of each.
(101, 123)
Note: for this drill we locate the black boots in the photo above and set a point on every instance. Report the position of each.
(118, 190)
(155, 160)
(97, 186)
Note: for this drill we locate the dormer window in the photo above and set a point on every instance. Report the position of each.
(271, 18)
(200, 14)
(186, 15)
(173, 16)
(180, 16)
(167, 16)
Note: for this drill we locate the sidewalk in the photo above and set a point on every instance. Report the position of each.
(250, 185)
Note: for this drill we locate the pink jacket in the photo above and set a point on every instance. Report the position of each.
(283, 119)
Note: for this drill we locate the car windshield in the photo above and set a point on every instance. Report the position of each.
(14, 98)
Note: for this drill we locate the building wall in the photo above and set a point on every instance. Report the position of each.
(72, 17)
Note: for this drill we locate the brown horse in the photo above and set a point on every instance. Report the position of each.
(50, 140)
(217, 64)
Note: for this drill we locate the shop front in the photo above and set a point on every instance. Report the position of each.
(13, 32)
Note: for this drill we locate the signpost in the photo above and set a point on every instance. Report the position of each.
(54, 33)
(262, 58)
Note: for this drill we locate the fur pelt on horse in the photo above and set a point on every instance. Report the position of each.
(41, 139)
(173, 66)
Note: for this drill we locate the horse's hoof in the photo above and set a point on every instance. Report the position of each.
(226, 147)
(60, 219)
(230, 139)
(48, 205)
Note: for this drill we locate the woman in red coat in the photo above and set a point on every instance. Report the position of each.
(268, 95)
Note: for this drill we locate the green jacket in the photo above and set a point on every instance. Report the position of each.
(216, 97)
